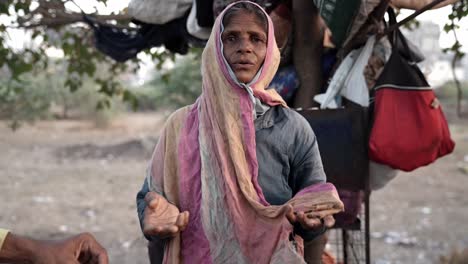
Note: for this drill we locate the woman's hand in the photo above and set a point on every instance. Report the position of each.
(161, 218)
(82, 248)
(309, 222)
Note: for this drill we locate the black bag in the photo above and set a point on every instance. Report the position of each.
(342, 136)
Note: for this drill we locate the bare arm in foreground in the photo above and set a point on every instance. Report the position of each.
(82, 248)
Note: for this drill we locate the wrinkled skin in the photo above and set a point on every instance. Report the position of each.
(82, 248)
(161, 218)
(245, 45)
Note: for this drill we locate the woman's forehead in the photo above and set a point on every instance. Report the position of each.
(245, 11)
(244, 21)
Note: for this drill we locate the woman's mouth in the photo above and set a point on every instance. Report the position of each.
(243, 65)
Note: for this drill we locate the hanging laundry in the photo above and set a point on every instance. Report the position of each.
(328, 62)
(282, 21)
(158, 11)
(193, 26)
(281, 17)
(285, 82)
(205, 15)
(329, 98)
(366, 7)
(123, 44)
(377, 60)
(355, 87)
(348, 80)
(338, 15)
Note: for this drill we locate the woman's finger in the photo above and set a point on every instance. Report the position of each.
(300, 217)
(311, 223)
(306, 222)
(180, 220)
(152, 199)
(314, 221)
(167, 231)
(329, 221)
(290, 214)
(186, 220)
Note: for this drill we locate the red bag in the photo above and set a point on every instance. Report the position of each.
(409, 129)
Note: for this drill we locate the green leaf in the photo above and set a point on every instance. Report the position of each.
(4, 8)
(130, 98)
(447, 27)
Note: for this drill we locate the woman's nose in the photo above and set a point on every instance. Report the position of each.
(245, 45)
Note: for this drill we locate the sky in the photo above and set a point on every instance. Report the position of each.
(440, 17)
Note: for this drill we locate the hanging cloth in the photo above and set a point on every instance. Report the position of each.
(339, 16)
(124, 44)
(349, 80)
(158, 12)
(193, 26)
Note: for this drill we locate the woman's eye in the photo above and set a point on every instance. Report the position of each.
(257, 40)
(231, 38)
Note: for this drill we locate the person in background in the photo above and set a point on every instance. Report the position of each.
(82, 248)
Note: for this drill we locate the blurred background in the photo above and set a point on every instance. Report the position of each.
(77, 130)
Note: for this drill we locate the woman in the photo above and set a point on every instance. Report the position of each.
(232, 172)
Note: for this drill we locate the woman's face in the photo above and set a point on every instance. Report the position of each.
(245, 43)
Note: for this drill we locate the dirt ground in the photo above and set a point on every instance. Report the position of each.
(59, 178)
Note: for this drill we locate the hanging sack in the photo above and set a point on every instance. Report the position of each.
(342, 139)
(158, 12)
(409, 129)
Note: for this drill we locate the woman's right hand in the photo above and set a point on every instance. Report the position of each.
(161, 218)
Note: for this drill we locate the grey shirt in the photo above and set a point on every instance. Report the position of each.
(288, 160)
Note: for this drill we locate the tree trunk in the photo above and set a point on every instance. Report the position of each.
(308, 46)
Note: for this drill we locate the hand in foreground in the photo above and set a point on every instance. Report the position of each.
(161, 218)
(82, 248)
(309, 222)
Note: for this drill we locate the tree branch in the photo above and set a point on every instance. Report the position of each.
(54, 14)
(455, 59)
(412, 16)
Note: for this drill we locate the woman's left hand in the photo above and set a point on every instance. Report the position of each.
(309, 222)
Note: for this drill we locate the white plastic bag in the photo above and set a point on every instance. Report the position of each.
(327, 100)
(380, 175)
(355, 87)
(158, 11)
(349, 80)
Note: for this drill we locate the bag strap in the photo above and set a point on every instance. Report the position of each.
(415, 14)
(395, 35)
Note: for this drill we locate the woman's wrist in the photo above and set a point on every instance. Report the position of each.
(17, 249)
